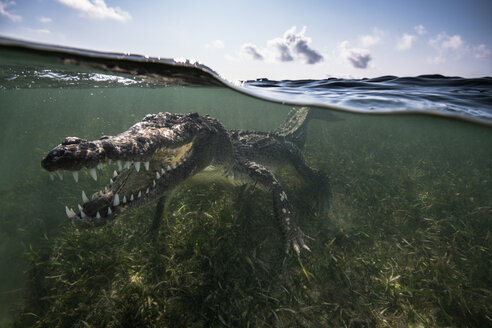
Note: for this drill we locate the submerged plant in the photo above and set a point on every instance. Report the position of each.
(406, 243)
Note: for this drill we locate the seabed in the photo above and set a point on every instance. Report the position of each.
(406, 243)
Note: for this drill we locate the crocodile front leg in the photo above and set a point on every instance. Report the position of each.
(283, 210)
(156, 222)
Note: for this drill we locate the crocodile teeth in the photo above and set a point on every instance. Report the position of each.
(146, 164)
(70, 213)
(115, 174)
(162, 171)
(100, 166)
(137, 166)
(118, 162)
(59, 173)
(109, 211)
(75, 175)
(84, 197)
(174, 166)
(131, 198)
(139, 194)
(169, 168)
(98, 216)
(147, 191)
(153, 183)
(127, 164)
(80, 207)
(124, 199)
(83, 215)
(116, 200)
(157, 175)
(93, 173)
(284, 210)
(111, 181)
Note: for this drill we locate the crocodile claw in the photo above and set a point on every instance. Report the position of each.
(296, 241)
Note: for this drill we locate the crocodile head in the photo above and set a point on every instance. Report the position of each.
(152, 157)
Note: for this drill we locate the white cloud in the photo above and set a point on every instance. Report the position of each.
(405, 42)
(251, 51)
(281, 50)
(420, 29)
(8, 14)
(372, 39)
(446, 46)
(45, 20)
(292, 46)
(454, 47)
(453, 42)
(97, 9)
(369, 40)
(443, 42)
(298, 44)
(481, 51)
(359, 58)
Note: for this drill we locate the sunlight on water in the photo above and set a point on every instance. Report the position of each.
(406, 239)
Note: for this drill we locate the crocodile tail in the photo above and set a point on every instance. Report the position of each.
(294, 127)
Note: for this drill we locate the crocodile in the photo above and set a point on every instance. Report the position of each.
(160, 152)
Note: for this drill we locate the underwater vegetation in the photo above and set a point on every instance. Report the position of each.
(407, 242)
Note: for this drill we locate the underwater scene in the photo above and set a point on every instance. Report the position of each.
(138, 192)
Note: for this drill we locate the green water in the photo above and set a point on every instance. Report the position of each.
(406, 242)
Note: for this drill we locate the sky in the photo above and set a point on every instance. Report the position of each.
(273, 39)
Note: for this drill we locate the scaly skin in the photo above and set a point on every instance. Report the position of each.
(160, 152)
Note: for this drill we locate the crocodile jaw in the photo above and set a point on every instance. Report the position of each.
(135, 185)
(152, 157)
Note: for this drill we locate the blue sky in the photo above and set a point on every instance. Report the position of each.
(270, 38)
